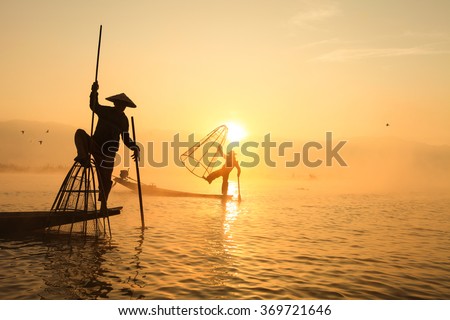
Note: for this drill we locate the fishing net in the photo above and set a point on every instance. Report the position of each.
(78, 200)
(207, 154)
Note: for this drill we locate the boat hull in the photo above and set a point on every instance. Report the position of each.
(19, 222)
(151, 190)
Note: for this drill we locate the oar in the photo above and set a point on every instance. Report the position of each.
(239, 190)
(91, 147)
(96, 73)
(138, 178)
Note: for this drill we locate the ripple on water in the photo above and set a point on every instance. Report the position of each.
(273, 245)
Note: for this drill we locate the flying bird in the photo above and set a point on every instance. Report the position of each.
(387, 124)
(47, 131)
(40, 141)
(22, 132)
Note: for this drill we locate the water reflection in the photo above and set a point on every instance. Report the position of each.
(137, 281)
(222, 253)
(230, 214)
(75, 270)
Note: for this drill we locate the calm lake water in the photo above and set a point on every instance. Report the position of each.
(280, 242)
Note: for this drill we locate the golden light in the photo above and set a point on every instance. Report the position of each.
(235, 132)
(231, 210)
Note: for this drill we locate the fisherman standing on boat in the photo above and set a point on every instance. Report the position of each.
(224, 172)
(104, 144)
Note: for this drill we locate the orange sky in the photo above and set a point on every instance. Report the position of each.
(293, 68)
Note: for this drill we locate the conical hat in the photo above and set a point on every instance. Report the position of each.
(122, 97)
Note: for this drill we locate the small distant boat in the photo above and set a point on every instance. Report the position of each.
(20, 222)
(153, 190)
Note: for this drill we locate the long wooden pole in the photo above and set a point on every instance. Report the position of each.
(138, 177)
(98, 52)
(100, 185)
(239, 190)
(96, 73)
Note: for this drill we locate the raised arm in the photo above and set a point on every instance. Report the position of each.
(98, 109)
(93, 98)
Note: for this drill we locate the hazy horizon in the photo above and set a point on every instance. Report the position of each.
(380, 164)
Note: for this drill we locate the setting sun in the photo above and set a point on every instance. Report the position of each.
(235, 132)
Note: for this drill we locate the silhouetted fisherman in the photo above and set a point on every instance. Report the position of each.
(224, 172)
(112, 123)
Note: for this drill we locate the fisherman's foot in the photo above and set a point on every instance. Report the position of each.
(208, 179)
(103, 209)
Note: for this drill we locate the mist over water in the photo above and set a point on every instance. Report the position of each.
(285, 240)
(374, 164)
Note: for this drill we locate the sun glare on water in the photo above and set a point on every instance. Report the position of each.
(235, 132)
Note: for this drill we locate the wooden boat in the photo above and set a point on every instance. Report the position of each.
(152, 190)
(20, 222)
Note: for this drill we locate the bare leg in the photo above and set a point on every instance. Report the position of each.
(225, 184)
(214, 175)
(82, 143)
(104, 170)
